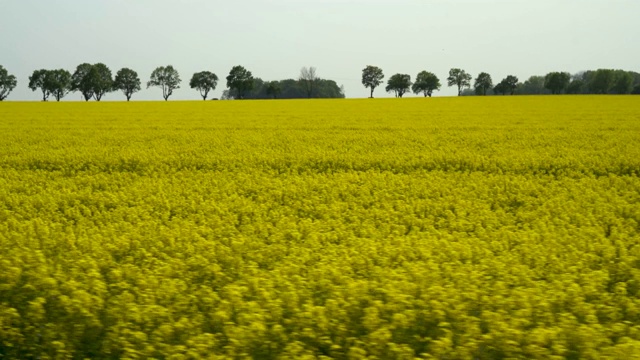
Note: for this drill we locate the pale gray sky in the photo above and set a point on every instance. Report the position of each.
(275, 38)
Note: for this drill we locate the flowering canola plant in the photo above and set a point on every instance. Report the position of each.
(446, 228)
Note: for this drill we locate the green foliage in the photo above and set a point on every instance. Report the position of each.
(426, 83)
(240, 80)
(37, 80)
(534, 85)
(204, 82)
(102, 80)
(557, 82)
(273, 89)
(308, 80)
(399, 84)
(483, 83)
(508, 85)
(81, 80)
(58, 83)
(601, 81)
(288, 89)
(372, 77)
(127, 81)
(576, 86)
(167, 78)
(459, 78)
(623, 82)
(8, 82)
(93, 81)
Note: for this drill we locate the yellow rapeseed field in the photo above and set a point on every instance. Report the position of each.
(444, 228)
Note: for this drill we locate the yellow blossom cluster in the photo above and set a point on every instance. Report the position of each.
(445, 228)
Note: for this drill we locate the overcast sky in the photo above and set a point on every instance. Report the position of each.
(275, 38)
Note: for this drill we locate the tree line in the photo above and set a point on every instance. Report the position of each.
(93, 81)
(601, 81)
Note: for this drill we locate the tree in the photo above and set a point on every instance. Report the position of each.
(273, 89)
(557, 82)
(308, 80)
(459, 78)
(483, 83)
(601, 81)
(372, 77)
(240, 80)
(399, 84)
(510, 83)
(37, 80)
(500, 88)
(533, 86)
(204, 82)
(8, 82)
(81, 81)
(93, 81)
(58, 83)
(576, 86)
(226, 95)
(127, 81)
(329, 89)
(166, 78)
(426, 83)
(622, 83)
(101, 80)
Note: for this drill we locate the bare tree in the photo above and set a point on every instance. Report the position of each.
(308, 79)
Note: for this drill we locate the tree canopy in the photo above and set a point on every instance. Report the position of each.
(426, 83)
(508, 85)
(38, 80)
(308, 80)
(204, 82)
(399, 84)
(52, 82)
(372, 77)
(286, 89)
(167, 78)
(273, 89)
(8, 82)
(93, 81)
(534, 85)
(81, 80)
(127, 81)
(557, 82)
(483, 83)
(101, 80)
(240, 80)
(459, 78)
